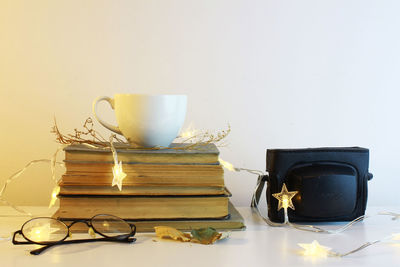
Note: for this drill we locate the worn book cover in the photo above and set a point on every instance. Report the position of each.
(234, 221)
(145, 206)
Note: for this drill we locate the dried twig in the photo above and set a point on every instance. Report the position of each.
(200, 139)
(90, 136)
(81, 136)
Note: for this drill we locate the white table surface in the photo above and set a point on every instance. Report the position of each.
(258, 245)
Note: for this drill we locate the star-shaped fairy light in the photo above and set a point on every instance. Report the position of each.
(227, 165)
(396, 237)
(314, 249)
(54, 195)
(285, 198)
(118, 175)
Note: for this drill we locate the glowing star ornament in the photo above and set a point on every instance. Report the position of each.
(118, 175)
(54, 195)
(227, 165)
(314, 249)
(285, 198)
(396, 237)
(190, 132)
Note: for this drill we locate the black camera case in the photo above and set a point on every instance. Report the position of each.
(331, 183)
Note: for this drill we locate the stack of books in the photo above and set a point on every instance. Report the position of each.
(175, 186)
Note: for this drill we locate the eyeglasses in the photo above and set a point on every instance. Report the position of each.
(49, 232)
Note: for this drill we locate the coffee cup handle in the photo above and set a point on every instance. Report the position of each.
(105, 124)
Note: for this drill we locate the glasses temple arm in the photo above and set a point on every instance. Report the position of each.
(40, 250)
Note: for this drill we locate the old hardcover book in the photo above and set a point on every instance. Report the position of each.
(155, 177)
(207, 154)
(132, 190)
(145, 170)
(145, 207)
(234, 221)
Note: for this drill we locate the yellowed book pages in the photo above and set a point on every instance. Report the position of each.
(133, 179)
(145, 169)
(140, 190)
(234, 221)
(206, 154)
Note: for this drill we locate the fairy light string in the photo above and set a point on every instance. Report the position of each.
(192, 138)
(284, 197)
(18, 174)
(118, 175)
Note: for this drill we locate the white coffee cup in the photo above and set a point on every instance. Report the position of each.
(146, 120)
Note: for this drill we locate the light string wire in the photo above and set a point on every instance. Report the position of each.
(312, 228)
(53, 164)
(309, 228)
(18, 174)
(363, 246)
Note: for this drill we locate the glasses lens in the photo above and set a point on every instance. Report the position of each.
(111, 226)
(44, 230)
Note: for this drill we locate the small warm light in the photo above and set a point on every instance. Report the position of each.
(227, 165)
(396, 236)
(189, 132)
(285, 202)
(118, 175)
(285, 198)
(314, 249)
(54, 195)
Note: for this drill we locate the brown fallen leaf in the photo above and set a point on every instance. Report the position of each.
(170, 232)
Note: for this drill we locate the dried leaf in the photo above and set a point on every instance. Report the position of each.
(225, 235)
(205, 236)
(170, 232)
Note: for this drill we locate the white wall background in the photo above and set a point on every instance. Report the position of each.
(282, 73)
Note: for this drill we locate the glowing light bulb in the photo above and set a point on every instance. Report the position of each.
(285, 198)
(227, 165)
(189, 132)
(396, 236)
(314, 249)
(118, 175)
(285, 202)
(54, 195)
